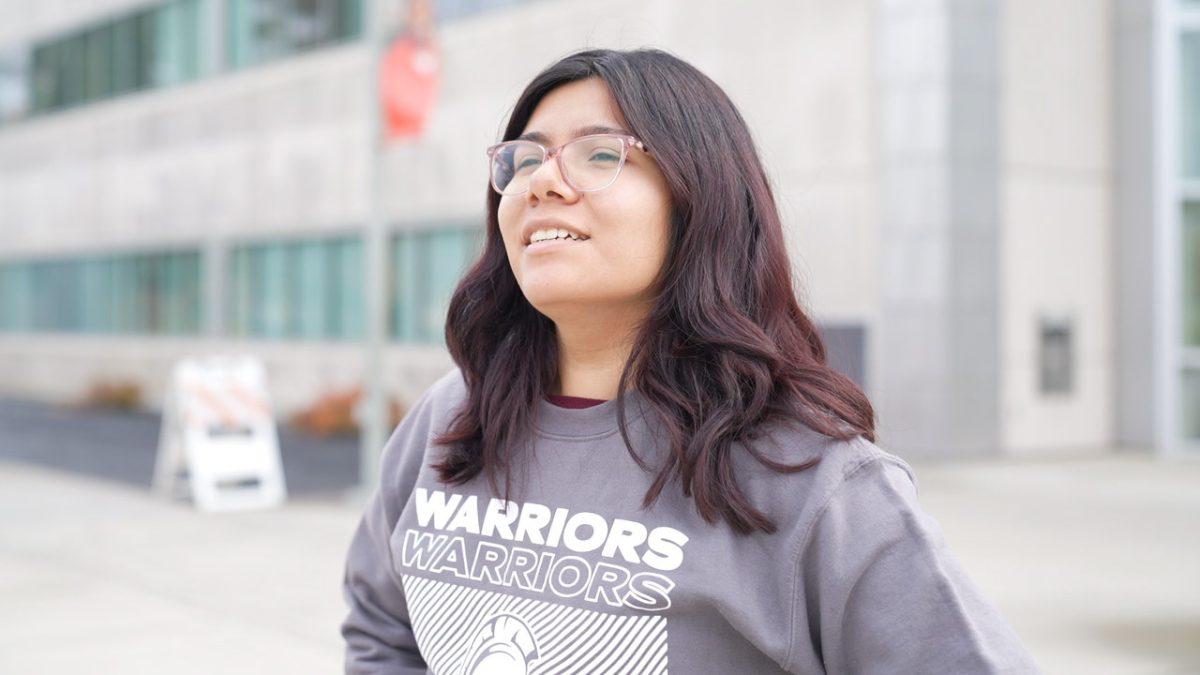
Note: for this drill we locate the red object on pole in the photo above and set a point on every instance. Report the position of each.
(409, 75)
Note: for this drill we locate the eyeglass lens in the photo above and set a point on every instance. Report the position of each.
(590, 163)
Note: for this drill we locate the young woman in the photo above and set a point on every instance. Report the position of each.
(635, 280)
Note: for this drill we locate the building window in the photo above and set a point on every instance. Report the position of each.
(1189, 205)
(1189, 100)
(150, 48)
(297, 290)
(264, 30)
(426, 266)
(1190, 315)
(1191, 275)
(155, 293)
(450, 10)
(163, 45)
(14, 84)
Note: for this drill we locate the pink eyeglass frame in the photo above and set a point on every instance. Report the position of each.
(627, 141)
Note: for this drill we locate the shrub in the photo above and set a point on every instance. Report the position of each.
(116, 395)
(336, 413)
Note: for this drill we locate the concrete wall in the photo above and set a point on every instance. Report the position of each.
(1057, 205)
(937, 73)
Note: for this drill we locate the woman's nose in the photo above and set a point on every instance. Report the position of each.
(548, 176)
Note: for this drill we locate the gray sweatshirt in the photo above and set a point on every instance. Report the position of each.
(571, 575)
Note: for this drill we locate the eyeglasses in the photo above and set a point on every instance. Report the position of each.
(587, 163)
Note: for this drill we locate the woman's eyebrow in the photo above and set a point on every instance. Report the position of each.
(581, 131)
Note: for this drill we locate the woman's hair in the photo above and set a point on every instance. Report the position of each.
(726, 346)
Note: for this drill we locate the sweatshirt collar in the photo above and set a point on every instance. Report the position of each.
(594, 421)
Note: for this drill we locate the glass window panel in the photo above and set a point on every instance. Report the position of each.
(132, 297)
(55, 281)
(73, 307)
(6, 299)
(160, 290)
(128, 273)
(447, 256)
(73, 70)
(24, 302)
(262, 30)
(1189, 92)
(153, 293)
(291, 290)
(238, 33)
(351, 19)
(1191, 274)
(272, 302)
(147, 49)
(45, 77)
(426, 267)
(255, 270)
(169, 293)
(168, 43)
(308, 289)
(119, 272)
(15, 82)
(99, 63)
(15, 296)
(112, 300)
(11, 291)
(312, 277)
(93, 291)
(238, 294)
(350, 309)
(190, 43)
(194, 297)
(125, 59)
(333, 290)
(421, 292)
(449, 10)
(176, 42)
(142, 300)
(43, 294)
(147, 310)
(405, 287)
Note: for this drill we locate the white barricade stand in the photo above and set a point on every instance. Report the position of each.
(218, 429)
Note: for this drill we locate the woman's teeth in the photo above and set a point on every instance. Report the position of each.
(562, 234)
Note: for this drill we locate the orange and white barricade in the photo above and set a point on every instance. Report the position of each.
(219, 430)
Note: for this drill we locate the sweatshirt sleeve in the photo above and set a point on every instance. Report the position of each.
(884, 594)
(378, 635)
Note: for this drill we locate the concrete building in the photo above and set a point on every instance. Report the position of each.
(994, 206)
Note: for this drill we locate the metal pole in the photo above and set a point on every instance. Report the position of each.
(375, 243)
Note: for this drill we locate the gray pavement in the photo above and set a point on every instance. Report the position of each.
(1094, 559)
(121, 446)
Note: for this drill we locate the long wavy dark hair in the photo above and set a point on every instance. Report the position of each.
(726, 346)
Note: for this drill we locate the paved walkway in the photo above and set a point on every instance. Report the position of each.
(1093, 560)
(120, 446)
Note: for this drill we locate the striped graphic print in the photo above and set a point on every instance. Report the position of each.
(469, 631)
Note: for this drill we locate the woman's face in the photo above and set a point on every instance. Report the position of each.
(627, 223)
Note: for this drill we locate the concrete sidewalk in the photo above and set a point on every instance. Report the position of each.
(1093, 560)
(102, 578)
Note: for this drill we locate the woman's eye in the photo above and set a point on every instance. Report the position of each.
(605, 157)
